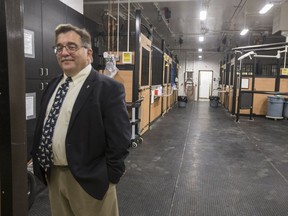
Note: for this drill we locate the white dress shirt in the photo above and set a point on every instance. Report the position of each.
(61, 127)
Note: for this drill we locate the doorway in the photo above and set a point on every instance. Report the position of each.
(205, 80)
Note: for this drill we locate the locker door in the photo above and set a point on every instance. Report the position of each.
(33, 86)
(53, 14)
(33, 65)
(32, 22)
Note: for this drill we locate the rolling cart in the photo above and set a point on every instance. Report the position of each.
(135, 122)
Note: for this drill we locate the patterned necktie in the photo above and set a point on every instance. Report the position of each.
(45, 154)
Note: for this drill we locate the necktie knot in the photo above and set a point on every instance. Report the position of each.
(68, 79)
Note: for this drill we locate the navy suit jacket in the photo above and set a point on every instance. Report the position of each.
(98, 135)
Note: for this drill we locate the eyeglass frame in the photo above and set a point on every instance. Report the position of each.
(61, 47)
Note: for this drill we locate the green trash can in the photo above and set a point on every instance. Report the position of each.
(275, 107)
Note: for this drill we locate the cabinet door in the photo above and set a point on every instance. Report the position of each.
(37, 87)
(53, 14)
(32, 22)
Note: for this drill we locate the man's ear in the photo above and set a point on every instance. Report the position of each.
(90, 52)
(90, 55)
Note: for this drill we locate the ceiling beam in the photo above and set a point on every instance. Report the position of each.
(134, 1)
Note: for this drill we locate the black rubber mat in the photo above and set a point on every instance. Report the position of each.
(41, 205)
(210, 166)
(197, 161)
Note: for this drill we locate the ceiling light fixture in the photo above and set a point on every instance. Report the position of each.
(201, 38)
(200, 57)
(200, 50)
(203, 15)
(244, 31)
(266, 8)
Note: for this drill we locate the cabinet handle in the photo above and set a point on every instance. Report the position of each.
(46, 72)
(46, 84)
(41, 86)
(41, 72)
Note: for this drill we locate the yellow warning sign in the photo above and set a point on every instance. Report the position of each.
(127, 57)
(284, 71)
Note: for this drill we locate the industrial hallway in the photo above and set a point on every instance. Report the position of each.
(196, 161)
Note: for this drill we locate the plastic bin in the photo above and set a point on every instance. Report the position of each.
(285, 109)
(214, 100)
(182, 101)
(275, 107)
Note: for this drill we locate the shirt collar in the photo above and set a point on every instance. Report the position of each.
(81, 76)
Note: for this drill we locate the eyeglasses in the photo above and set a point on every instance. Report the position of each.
(70, 48)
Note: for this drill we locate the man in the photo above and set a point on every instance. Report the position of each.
(82, 133)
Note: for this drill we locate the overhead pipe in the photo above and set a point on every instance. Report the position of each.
(136, 1)
(255, 55)
(163, 18)
(246, 55)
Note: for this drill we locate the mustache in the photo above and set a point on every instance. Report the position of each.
(66, 59)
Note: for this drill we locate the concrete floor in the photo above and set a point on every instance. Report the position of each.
(198, 161)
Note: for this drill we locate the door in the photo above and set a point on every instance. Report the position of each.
(205, 84)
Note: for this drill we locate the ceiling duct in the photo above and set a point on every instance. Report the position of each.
(167, 13)
(280, 20)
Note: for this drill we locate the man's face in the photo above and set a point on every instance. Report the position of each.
(73, 60)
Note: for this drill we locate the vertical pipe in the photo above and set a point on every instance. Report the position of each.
(113, 35)
(253, 87)
(277, 79)
(118, 16)
(128, 26)
(234, 84)
(162, 79)
(137, 57)
(285, 56)
(108, 27)
(239, 95)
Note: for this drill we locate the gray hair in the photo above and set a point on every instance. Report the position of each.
(82, 32)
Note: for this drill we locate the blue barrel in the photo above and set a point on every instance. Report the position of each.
(275, 107)
(285, 111)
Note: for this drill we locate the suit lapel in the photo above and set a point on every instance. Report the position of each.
(83, 95)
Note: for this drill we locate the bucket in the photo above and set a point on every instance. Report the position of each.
(181, 104)
(182, 101)
(214, 101)
(275, 107)
(285, 109)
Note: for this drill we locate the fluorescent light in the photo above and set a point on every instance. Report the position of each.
(200, 57)
(203, 15)
(200, 50)
(244, 32)
(201, 38)
(266, 8)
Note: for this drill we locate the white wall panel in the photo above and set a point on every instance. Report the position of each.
(75, 4)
